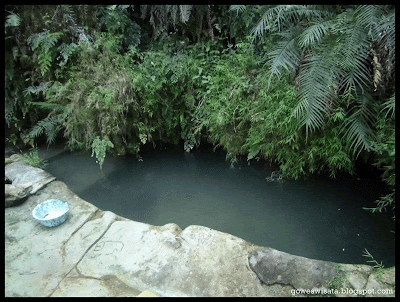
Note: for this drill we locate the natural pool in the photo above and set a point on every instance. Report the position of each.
(318, 218)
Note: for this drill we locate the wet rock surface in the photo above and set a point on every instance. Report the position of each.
(272, 266)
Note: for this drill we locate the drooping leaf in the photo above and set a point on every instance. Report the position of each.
(185, 12)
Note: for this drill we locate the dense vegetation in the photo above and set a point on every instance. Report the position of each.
(311, 88)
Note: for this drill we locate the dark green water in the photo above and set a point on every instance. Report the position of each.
(318, 218)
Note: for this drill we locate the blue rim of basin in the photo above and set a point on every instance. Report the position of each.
(46, 208)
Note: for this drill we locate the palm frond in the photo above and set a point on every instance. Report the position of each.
(368, 15)
(313, 34)
(267, 22)
(386, 28)
(284, 54)
(359, 134)
(280, 16)
(355, 71)
(385, 39)
(317, 77)
(389, 105)
(352, 49)
(237, 8)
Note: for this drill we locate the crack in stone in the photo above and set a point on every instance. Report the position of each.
(64, 242)
(83, 254)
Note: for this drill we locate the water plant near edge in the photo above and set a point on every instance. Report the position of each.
(378, 266)
(337, 282)
(32, 158)
(100, 147)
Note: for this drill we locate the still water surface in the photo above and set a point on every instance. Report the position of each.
(318, 218)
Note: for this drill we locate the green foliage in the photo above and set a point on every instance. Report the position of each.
(163, 17)
(32, 158)
(119, 27)
(337, 282)
(245, 116)
(328, 54)
(12, 20)
(45, 42)
(278, 17)
(385, 150)
(50, 125)
(313, 90)
(66, 52)
(100, 147)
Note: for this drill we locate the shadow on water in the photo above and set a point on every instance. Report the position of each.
(319, 218)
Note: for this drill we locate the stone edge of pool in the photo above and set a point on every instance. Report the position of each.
(97, 253)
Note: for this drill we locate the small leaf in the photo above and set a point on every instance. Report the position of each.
(252, 154)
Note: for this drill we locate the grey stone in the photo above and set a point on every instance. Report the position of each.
(14, 196)
(376, 288)
(357, 280)
(388, 275)
(25, 176)
(170, 262)
(272, 266)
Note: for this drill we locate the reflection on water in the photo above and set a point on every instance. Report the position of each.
(319, 218)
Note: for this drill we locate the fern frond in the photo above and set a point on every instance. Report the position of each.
(48, 106)
(45, 42)
(13, 20)
(30, 90)
(36, 131)
(36, 89)
(66, 51)
(50, 125)
(185, 12)
(69, 10)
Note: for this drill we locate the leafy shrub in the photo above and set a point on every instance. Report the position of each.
(121, 31)
(247, 115)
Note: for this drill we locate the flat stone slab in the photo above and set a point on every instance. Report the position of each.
(25, 176)
(167, 261)
(37, 257)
